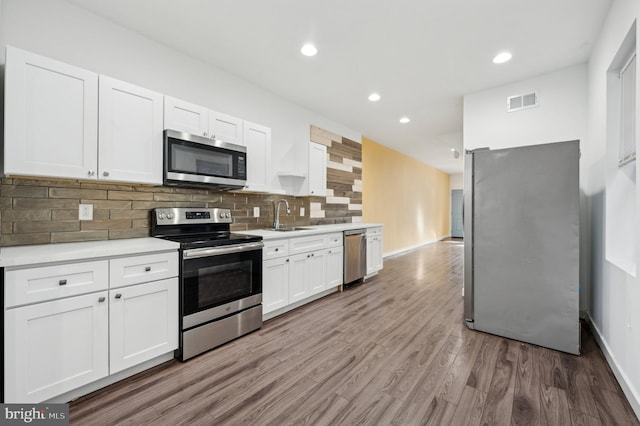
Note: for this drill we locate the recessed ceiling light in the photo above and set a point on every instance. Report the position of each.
(453, 149)
(405, 120)
(374, 97)
(309, 50)
(501, 58)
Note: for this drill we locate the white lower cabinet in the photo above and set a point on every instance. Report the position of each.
(142, 323)
(374, 250)
(275, 284)
(299, 268)
(335, 266)
(54, 347)
(57, 345)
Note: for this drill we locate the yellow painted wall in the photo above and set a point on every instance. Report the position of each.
(410, 198)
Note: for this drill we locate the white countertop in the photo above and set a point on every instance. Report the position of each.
(267, 234)
(64, 252)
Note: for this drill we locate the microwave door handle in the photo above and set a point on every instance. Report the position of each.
(217, 251)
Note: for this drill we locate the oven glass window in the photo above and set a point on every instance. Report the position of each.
(218, 284)
(208, 282)
(191, 159)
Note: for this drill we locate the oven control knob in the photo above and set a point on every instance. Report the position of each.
(221, 215)
(160, 215)
(169, 215)
(227, 215)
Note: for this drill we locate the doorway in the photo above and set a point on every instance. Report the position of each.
(456, 213)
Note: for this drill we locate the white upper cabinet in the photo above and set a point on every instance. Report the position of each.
(130, 133)
(51, 117)
(56, 125)
(317, 169)
(185, 117)
(257, 139)
(225, 127)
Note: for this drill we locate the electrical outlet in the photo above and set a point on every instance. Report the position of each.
(85, 212)
(256, 212)
(301, 211)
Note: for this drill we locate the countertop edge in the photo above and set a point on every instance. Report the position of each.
(267, 234)
(20, 256)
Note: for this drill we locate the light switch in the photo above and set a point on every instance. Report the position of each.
(256, 212)
(301, 211)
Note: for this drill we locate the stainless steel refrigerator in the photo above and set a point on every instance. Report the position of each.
(521, 243)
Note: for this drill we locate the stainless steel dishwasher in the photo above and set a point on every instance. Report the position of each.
(355, 255)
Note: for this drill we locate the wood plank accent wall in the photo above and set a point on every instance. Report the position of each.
(41, 211)
(343, 203)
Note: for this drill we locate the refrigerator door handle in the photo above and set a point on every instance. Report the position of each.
(468, 238)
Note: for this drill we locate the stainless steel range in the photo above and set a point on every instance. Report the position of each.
(220, 277)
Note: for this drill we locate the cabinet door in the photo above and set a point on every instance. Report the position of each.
(54, 347)
(185, 117)
(257, 139)
(317, 169)
(225, 128)
(143, 322)
(275, 284)
(377, 253)
(130, 137)
(298, 279)
(317, 271)
(371, 264)
(335, 267)
(51, 117)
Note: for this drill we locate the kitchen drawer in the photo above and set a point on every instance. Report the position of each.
(334, 240)
(304, 244)
(39, 284)
(140, 269)
(374, 231)
(274, 249)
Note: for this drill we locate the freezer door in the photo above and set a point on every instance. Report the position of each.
(525, 244)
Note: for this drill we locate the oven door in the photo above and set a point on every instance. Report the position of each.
(219, 281)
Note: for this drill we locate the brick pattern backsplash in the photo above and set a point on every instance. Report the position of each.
(343, 203)
(41, 211)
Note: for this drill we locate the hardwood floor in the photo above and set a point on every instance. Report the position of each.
(391, 351)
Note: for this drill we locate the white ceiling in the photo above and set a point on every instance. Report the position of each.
(422, 56)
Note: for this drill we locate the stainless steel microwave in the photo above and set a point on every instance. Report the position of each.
(191, 160)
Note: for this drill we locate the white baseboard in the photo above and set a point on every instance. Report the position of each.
(627, 387)
(413, 247)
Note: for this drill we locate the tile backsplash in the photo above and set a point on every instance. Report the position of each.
(41, 211)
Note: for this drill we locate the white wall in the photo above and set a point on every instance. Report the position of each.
(65, 32)
(456, 181)
(615, 295)
(560, 116)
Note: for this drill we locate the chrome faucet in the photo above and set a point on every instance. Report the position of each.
(276, 212)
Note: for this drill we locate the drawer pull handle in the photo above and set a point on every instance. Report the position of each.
(147, 268)
(62, 282)
(118, 295)
(101, 300)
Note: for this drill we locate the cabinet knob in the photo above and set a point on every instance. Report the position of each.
(118, 295)
(105, 174)
(277, 249)
(287, 260)
(62, 282)
(91, 173)
(147, 268)
(101, 299)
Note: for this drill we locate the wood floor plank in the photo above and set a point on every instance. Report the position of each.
(393, 350)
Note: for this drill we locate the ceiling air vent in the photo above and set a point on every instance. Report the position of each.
(516, 103)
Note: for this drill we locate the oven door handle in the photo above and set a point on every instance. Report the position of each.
(217, 251)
